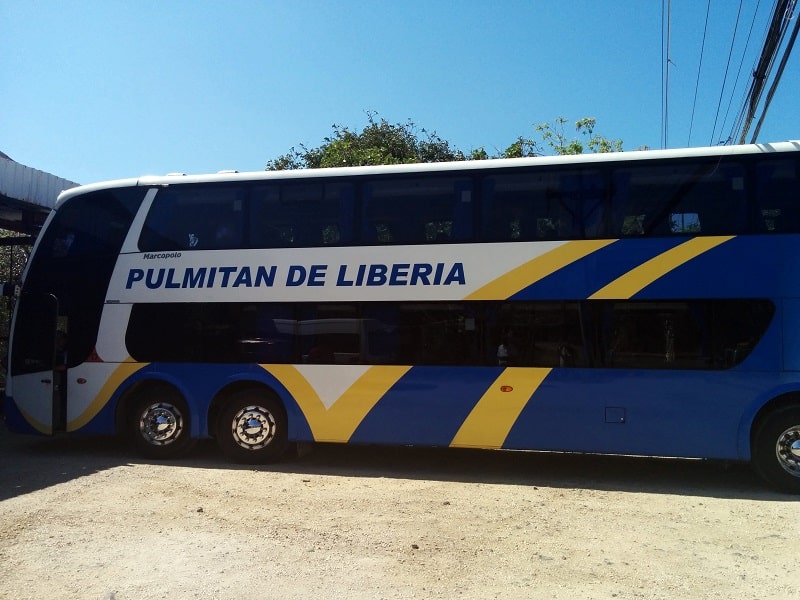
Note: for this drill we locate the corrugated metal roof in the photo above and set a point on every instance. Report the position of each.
(33, 186)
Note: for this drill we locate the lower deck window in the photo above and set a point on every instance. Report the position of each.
(685, 334)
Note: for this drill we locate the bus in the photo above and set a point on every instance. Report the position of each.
(637, 303)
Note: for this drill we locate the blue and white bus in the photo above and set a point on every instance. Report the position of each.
(639, 303)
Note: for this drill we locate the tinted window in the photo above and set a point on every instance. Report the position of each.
(543, 205)
(777, 185)
(301, 214)
(697, 334)
(72, 266)
(194, 218)
(539, 334)
(220, 333)
(417, 211)
(679, 199)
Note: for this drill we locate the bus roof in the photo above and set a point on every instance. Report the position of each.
(233, 177)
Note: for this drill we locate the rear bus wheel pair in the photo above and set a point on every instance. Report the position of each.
(251, 428)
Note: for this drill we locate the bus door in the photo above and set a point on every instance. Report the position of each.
(38, 364)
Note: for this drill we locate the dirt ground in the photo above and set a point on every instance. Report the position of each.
(85, 519)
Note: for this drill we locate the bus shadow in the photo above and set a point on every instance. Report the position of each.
(534, 469)
(29, 463)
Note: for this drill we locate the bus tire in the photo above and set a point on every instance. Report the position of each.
(252, 427)
(776, 449)
(160, 423)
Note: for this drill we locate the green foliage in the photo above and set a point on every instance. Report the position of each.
(384, 143)
(380, 143)
(553, 135)
(12, 263)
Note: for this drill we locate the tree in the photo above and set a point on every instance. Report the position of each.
(380, 143)
(384, 143)
(553, 135)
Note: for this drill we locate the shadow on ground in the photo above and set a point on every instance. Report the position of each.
(29, 463)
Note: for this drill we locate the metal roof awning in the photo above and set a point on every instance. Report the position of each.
(27, 195)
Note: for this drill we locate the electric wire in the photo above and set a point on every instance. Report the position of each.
(725, 78)
(775, 34)
(738, 73)
(777, 79)
(699, 67)
(666, 86)
(663, 78)
(740, 116)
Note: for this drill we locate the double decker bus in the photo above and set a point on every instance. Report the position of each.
(638, 303)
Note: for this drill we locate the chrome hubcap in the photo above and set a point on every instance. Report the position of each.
(788, 450)
(253, 427)
(161, 424)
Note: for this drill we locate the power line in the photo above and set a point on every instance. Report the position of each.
(777, 79)
(727, 66)
(739, 70)
(699, 67)
(774, 38)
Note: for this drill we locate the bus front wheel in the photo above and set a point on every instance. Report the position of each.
(776, 449)
(160, 424)
(252, 427)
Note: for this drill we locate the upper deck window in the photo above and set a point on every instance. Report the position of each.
(417, 210)
(683, 198)
(543, 205)
(194, 218)
(778, 208)
(302, 214)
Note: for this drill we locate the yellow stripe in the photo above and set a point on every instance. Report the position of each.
(640, 277)
(337, 423)
(121, 373)
(538, 268)
(491, 419)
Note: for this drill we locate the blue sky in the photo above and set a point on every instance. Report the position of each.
(105, 89)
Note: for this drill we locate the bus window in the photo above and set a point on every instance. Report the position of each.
(543, 205)
(211, 332)
(695, 334)
(537, 334)
(437, 333)
(330, 334)
(417, 211)
(301, 215)
(682, 199)
(194, 218)
(71, 268)
(776, 196)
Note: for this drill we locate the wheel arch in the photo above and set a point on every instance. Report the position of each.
(779, 399)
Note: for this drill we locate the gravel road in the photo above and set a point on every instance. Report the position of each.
(85, 519)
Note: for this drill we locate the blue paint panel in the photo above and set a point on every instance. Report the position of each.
(427, 406)
(744, 267)
(791, 334)
(584, 277)
(14, 419)
(668, 413)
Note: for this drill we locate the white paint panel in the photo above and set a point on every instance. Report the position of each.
(433, 272)
(35, 398)
(331, 381)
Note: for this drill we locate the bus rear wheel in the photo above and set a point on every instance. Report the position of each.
(252, 427)
(160, 423)
(776, 449)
